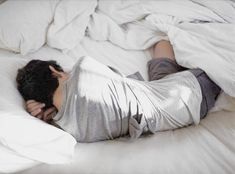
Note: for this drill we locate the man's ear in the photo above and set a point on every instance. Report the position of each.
(61, 75)
(53, 69)
(55, 72)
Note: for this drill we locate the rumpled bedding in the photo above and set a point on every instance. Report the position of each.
(200, 30)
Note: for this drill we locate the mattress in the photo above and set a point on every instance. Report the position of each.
(206, 148)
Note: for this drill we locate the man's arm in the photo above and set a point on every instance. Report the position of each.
(163, 49)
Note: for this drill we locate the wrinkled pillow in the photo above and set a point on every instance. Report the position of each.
(24, 24)
(22, 134)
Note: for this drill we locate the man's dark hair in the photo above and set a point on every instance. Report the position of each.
(35, 81)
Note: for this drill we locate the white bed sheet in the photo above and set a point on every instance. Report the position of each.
(206, 148)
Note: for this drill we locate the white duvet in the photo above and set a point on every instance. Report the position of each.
(200, 31)
(202, 35)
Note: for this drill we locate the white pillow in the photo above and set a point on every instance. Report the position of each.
(21, 133)
(24, 24)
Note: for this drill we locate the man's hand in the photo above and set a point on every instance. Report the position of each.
(36, 109)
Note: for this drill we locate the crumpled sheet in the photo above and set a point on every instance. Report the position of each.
(200, 31)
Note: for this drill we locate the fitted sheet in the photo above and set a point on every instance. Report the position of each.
(206, 148)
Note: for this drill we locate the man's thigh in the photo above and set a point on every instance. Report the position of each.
(160, 67)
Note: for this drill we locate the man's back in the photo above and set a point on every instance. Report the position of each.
(100, 104)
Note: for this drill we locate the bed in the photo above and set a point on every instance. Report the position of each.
(208, 147)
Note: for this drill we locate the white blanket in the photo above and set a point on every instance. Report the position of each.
(201, 31)
(208, 46)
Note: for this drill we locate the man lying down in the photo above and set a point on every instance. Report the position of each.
(96, 102)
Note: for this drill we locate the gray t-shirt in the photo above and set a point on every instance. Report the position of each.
(101, 104)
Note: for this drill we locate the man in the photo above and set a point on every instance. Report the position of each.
(96, 102)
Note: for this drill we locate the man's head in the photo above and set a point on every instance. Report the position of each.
(38, 82)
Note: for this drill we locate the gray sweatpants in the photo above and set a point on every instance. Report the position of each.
(159, 68)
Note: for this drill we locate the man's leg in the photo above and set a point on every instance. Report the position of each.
(163, 62)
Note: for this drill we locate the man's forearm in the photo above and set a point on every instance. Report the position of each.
(163, 49)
